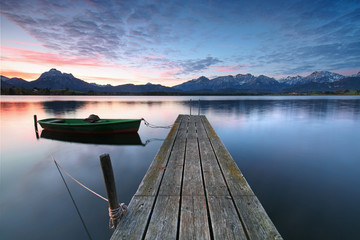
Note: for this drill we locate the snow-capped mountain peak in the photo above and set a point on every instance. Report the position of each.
(324, 76)
(317, 76)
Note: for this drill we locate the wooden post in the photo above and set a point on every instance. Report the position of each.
(35, 123)
(109, 183)
(36, 127)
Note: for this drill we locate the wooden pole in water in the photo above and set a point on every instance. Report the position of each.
(36, 127)
(35, 123)
(109, 183)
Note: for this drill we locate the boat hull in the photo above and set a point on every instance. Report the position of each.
(131, 138)
(104, 126)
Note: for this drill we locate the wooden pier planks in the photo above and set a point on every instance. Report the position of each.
(194, 190)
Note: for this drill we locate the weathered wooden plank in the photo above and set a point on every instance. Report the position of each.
(151, 181)
(194, 218)
(214, 181)
(256, 221)
(236, 182)
(192, 182)
(191, 127)
(133, 224)
(171, 183)
(164, 220)
(224, 219)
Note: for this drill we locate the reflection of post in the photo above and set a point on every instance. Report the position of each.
(199, 107)
(190, 106)
(109, 184)
(36, 127)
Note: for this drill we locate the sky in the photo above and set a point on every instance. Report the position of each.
(169, 42)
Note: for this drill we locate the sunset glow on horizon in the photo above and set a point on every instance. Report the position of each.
(119, 42)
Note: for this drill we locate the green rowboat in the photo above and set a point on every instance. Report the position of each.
(102, 126)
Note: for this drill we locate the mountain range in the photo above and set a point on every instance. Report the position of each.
(241, 83)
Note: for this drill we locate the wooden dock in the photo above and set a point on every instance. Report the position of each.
(194, 190)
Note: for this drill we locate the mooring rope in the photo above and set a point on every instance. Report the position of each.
(93, 192)
(114, 214)
(152, 140)
(155, 126)
(77, 209)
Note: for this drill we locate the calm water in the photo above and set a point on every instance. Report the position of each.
(300, 155)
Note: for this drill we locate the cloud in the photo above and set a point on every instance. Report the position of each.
(19, 74)
(192, 66)
(112, 29)
(296, 70)
(74, 31)
(24, 43)
(37, 57)
(272, 36)
(177, 67)
(227, 68)
(314, 57)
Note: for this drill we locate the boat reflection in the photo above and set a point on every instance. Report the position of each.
(108, 139)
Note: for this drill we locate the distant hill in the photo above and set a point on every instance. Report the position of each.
(5, 84)
(247, 83)
(347, 83)
(131, 88)
(55, 79)
(4, 79)
(319, 77)
(240, 83)
(18, 82)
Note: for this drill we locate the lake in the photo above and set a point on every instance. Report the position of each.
(300, 155)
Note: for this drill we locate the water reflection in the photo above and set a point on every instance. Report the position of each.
(302, 149)
(62, 107)
(318, 108)
(108, 139)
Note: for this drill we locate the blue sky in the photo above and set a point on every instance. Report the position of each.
(169, 42)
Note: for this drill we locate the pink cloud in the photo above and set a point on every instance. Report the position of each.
(170, 73)
(19, 55)
(154, 74)
(19, 74)
(30, 56)
(25, 43)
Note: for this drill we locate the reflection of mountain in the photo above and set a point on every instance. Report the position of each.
(305, 108)
(110, 139)
(61, 107)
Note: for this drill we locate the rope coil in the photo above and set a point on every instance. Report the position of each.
(115, 214)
